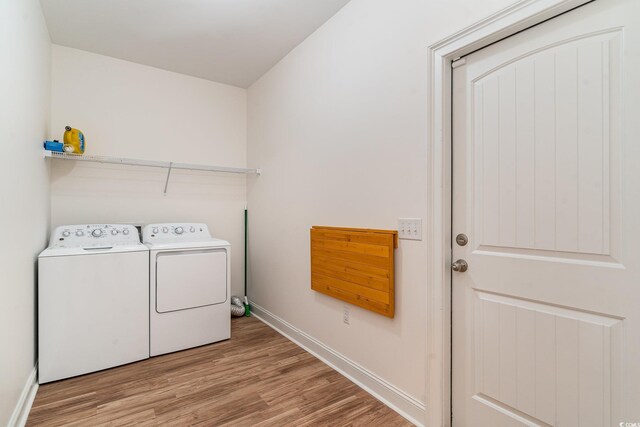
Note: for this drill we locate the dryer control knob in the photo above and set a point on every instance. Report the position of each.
(79, 233)
(179, 230)
(65, 233)
(192, 229)
(165, 230)
(125, 231)
(114, 231)
(96, 233)
(155, 230)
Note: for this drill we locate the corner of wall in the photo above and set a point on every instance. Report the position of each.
(28, 395)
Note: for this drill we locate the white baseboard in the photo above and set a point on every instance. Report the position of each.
(405, 405)
(21, 411)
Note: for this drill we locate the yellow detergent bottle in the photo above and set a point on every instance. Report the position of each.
(73, 140)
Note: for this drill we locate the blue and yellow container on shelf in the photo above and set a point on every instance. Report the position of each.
(73, 140)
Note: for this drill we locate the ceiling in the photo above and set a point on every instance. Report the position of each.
(227, 41)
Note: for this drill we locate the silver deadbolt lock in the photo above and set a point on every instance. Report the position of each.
(462, 239)
(460, 266)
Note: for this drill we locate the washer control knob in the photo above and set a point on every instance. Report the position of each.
(192, 229)
(179, 230)
(79, 233)
(114, 231)
(155, 230)
(65, 233)
(125, 231)
(165, 230)
(96, 233)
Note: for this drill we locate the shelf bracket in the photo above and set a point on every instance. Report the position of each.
(166, 183)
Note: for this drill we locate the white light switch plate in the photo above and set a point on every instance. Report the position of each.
(410, 228)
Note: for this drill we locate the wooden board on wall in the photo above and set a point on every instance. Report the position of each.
(355, 265)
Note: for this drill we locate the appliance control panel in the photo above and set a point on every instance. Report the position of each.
(92, 235)
(175, 232)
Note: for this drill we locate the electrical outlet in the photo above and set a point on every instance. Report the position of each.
(345, 315)
(410, 228)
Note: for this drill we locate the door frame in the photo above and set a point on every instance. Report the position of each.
(515, 18)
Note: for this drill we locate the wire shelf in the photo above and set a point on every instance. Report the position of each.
(149, 163)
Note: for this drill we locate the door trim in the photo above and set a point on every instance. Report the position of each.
(518, 17)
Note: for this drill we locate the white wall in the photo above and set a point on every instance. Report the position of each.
(25, 55)
(339, 128)
(131, 110)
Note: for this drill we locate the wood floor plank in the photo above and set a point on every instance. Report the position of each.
(257, 378)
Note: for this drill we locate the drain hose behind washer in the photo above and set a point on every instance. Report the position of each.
(237, 308)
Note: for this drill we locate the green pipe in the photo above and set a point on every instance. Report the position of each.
(247, 307)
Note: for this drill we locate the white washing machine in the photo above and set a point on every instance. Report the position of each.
(189, 282)
(93, 300)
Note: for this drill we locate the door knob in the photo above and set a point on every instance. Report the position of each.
(460, 266)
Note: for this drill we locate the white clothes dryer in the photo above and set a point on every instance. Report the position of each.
(189, 285)
(93, 300)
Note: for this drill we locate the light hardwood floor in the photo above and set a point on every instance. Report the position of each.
(257, 378)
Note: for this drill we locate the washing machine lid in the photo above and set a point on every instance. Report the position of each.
(190, 279)
(92, 250)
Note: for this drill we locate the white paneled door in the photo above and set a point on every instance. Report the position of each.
(546, 186)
